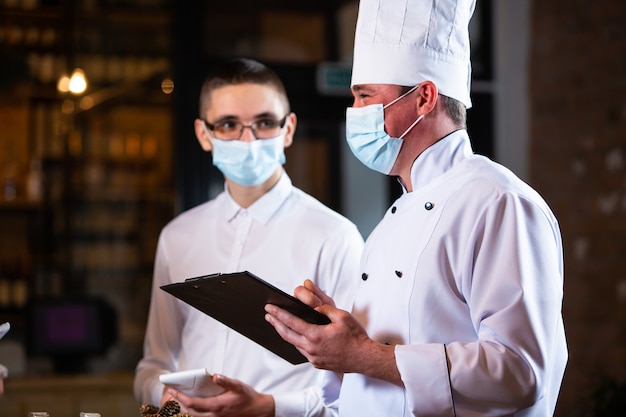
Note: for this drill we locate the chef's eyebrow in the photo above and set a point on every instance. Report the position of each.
(360, 88)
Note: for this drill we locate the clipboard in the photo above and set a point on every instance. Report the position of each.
(238, 301)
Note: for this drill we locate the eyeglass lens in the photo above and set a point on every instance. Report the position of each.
(261, 129)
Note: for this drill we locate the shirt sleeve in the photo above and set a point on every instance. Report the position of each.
(162, 337)
(512, 282)
(306, 403)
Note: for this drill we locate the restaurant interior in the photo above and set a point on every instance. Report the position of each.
(98, 153)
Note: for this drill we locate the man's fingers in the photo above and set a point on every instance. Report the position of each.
(178, 396)
(307, 296)
(291, 336)
(228, 384)
(285, 323)
(319, 293)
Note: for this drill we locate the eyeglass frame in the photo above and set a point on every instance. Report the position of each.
(281, 124)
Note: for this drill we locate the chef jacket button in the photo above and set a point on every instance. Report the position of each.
(399, 274)
(364, 276)
(393, 209)
(429, 205)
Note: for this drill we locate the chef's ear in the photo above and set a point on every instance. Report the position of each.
(426, 99)
(202, 134)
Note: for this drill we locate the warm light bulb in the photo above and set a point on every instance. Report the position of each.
(63, 85)
(167, 86)
(78, 82)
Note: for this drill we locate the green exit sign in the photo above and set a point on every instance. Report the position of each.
(333, 78)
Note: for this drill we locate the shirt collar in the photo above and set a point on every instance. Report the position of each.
(439, 158)
(264, 208)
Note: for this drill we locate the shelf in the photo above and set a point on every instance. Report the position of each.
(107, 166)
(22, 205)
(110, 395)
(42, 16)
(123, 197)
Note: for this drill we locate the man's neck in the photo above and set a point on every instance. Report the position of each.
(416, 146)
(246, 196)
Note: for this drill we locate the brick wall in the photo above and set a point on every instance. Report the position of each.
(578, 162)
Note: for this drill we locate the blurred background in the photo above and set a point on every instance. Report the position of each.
(97, 153)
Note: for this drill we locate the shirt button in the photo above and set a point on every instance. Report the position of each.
(399, 274)
(364, 276)
(429, 205)
(393, 209)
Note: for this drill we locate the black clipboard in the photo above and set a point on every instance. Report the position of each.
(238, 300)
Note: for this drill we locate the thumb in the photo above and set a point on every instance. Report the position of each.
(328, 310)
(226, 383)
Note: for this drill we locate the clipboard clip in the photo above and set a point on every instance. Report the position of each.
(203, 277)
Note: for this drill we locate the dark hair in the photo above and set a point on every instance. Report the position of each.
(240, 71)
(456, 110)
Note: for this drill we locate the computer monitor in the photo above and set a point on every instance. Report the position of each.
(70, 330)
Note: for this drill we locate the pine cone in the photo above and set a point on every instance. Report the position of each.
(148, 409)
(169, 409)
(183, 415)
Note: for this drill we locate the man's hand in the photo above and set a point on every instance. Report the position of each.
(341, 346)
(332, 346)
(311, 294)
(239, 400)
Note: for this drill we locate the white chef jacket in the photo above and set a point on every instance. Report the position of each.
(285, 237)
(464, 275)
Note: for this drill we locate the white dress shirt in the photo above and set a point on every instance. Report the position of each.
(464, 275)
(285, 237)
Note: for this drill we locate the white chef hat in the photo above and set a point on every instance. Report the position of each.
(406, 42)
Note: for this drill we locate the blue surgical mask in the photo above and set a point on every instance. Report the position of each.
(248, 163)
(366, 136)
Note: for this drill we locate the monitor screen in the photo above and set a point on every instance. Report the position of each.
(60, 327)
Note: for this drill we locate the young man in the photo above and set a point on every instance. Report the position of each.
(260, 223)
(459, 309)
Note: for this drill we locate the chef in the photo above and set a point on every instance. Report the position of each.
(458, 312)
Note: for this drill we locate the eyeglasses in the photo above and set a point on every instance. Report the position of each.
(264, 128)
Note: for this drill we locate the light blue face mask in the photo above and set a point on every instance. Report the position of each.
(248, 163)
(366, 136)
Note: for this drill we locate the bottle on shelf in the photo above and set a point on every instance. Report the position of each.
(5, 287)
(34, 181)
(19, 287)
(9, 186)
